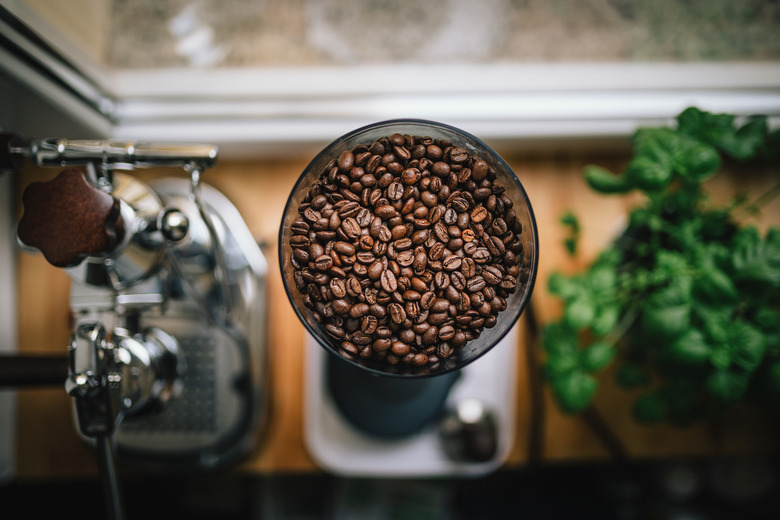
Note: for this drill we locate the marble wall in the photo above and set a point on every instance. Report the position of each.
(256, 33)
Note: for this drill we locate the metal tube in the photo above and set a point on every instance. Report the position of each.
(126, 155)
(106, 453)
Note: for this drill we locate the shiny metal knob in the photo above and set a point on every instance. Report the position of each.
(174, 225)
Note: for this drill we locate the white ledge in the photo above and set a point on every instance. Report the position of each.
(254, 112)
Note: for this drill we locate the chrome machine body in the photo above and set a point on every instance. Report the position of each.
(168, 354)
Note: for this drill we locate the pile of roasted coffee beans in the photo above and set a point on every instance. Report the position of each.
(406, 249)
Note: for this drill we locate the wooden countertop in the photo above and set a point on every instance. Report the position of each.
(48, 445)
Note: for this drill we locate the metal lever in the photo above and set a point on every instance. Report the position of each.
(97, 412)
(112, 379)
(123, 155)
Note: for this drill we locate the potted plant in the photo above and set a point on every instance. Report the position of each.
(686, 300)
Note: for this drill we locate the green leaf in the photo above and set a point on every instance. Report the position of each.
(579, 313)
(747, 141)
(557, 338)
(597, 356)
(650, 408)
(690, 348)
(574, 391)
(558, 364)
(632, 375)
(667, 313)
(648, 173)
(692, 121)
(570, 221)
(666, 323)
(747, 345)
(714, 286)
(701, 124)
(768, 321)
(756, 260)
(726, 385)
(605, 181)
(696, 160)
(602, 279)
(563, 286)
(606, 319)
(721, 357)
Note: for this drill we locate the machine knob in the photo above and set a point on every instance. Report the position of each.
(68, 219)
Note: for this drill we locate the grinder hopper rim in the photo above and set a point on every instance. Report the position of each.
(505, 175)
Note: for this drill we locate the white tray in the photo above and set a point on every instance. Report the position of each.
(339, 448)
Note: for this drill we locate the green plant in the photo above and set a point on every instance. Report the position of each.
(686, 301)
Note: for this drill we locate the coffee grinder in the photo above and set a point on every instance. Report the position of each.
(370, 418)
(167, 365)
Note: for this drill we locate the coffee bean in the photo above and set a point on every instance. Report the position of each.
(477, 283)
(460, 204)
(406, 241)
(405, 258)
(492, 274)
(395, 191)
(351, 228)
(508, 283)
(399, 348)
(344, 248)
(464, 302)
(446, 333)
(384, 234)
(410, 176)
(385, 212)
(412, 309)
(365, 257)
(346, 161)
(369, 324)
(436, 252)
(458, 155)
(338, 288)
(479, 214)
(457, 280)
(299, 227)
(441, 280)
(381, 344)
(468, 267)
(481, 255)
(397, 313)
(479, 170)
(420, 262)
(323, 262)
(403, 244)
(440, 168)
(299, 241)
(388, 281)
(334, 330)
(430, 335)
(451, 263)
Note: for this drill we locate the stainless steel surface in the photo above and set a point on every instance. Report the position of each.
(142, 249)
(468, 431)
(124, 155)
(168, 357)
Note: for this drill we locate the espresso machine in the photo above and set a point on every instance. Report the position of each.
(167, 364)
(365, 418)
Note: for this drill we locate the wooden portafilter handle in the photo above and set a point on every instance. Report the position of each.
(68, 219)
